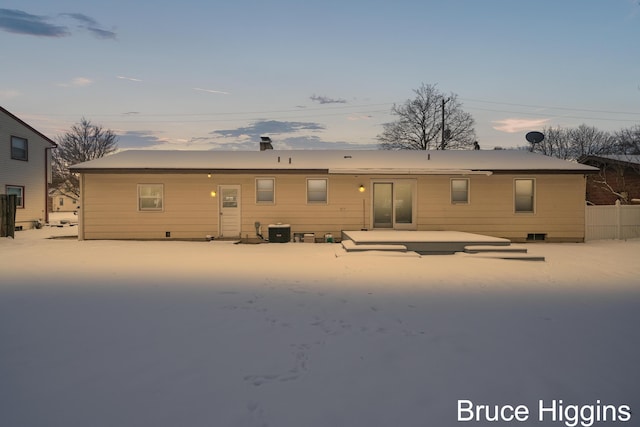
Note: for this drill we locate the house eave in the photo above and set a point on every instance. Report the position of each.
(598, 160)
(31, 128)
(546, 171)
(392, 171)
(332, 171)
(196, 171)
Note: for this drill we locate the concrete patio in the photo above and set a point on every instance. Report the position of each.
(423, 242)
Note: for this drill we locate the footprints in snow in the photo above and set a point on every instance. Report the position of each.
(374, 320)
(256, 414)
(300, 363)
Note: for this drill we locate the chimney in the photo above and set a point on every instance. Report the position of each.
(265, 143)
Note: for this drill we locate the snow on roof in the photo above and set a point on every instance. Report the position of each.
(625, 158)
(334, 161)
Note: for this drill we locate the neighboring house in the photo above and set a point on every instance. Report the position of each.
(191, 194)
(61, 202)
(618, 179)
(25, 159)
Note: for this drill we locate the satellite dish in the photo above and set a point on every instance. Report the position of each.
(534, 137)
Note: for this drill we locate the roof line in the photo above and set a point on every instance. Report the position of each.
(25, 124)
(410, 171)
(604, 159)
(193, 171)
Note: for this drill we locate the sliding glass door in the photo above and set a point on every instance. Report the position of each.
(382, 205)
(393, 204)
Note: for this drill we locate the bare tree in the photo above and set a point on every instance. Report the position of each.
(587, 140)
(574, 143)
(555, 143)
(616, 155)
(618, 178)
(83, 142)
(419, 124)
(628, 140)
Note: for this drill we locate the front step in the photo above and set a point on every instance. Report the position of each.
(474, 249)
(501, 252)
(507, 256)
(350, 246)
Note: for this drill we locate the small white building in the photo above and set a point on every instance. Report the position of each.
(61, 202)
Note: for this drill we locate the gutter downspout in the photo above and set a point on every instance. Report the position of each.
(47, 165)
(81, 209)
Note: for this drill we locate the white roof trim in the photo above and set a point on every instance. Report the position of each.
(413, 171)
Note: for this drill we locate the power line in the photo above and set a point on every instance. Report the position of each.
(552, 108)
(554, 115)
(327, 111)
(230, 113)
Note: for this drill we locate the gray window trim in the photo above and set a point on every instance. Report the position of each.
(21, 188)
(26, 148)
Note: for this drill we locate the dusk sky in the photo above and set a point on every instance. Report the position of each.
(218, 75)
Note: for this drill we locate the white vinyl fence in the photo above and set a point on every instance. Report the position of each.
(612, 222)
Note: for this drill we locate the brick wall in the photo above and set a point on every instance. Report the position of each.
(620, 179)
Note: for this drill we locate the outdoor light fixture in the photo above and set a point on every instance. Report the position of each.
(209, 175)
(213, 193)
(361, 189)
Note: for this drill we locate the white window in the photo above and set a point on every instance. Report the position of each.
(460, 190)
(19, 148)
(316, 191)
(265, 190)
(524, 198)
(18, 191)
(150, 197)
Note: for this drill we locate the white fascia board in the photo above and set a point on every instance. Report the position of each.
(392, 171)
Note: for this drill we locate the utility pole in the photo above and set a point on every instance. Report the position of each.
(442, 143)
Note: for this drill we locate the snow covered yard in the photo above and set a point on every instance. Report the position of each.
(110, 333)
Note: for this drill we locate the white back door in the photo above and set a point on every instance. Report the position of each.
(229, 210)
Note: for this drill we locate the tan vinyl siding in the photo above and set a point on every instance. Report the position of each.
(559, 206)
(69, 204)
(342, 211)
(110, 205)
